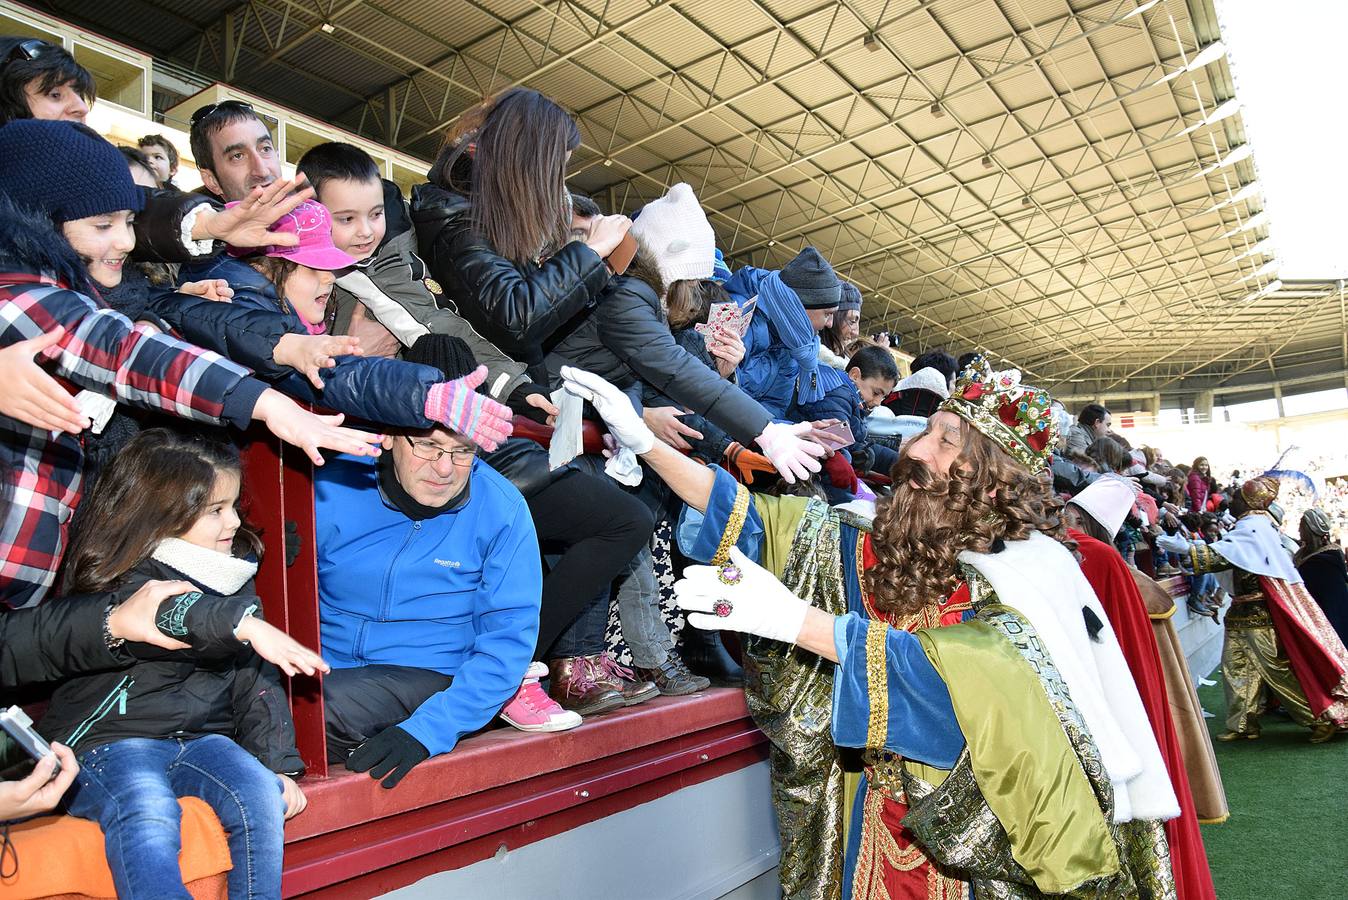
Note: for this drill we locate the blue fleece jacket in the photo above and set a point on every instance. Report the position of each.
(457, 593)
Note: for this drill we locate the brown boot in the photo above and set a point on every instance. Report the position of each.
(673, 678)
(620, 678)
(573, 684)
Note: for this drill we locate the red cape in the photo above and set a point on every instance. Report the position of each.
(1112, 582)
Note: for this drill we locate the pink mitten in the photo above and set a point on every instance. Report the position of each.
(459, 407)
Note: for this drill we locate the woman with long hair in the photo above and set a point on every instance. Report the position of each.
(1199, 484)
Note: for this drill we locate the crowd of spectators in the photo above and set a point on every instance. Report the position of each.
(466, 569)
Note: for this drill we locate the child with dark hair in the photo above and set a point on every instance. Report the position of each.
(39, 80)
(142, 173)
(210, 722)
(162, 155)
(939, 360)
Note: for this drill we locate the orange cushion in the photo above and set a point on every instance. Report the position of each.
(83, 868)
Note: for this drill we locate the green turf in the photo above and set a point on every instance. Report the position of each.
(1287, 837)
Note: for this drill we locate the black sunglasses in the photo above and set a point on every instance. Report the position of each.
(204, 112)
(29, 49)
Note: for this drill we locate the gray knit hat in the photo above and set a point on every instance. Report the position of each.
(812, 278)
(64, 170)
(851, 298)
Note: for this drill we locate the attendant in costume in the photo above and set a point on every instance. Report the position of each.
(1093, 517)
(1276, 635)
(1320, 562)
(950, 641)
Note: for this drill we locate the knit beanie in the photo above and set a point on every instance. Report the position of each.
(720, 272)
(64, 170)
(445, 352)
(812, 278)
(676, 231)
(851, 298)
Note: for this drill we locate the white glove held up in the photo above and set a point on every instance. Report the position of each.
(613, 406)
(793, 455)
(757, 603)
(1173, 543)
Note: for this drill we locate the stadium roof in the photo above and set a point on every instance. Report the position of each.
(1063, 183)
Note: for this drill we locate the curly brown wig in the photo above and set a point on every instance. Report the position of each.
(921, 529)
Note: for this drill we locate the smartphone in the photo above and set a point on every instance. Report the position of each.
(838, 436)
(19, 726)
(622, 255)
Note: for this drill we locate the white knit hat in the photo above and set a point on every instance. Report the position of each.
(676, 231)
(1107, 500)
(926, 379)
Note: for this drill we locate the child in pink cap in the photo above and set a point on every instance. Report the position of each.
(298, 279)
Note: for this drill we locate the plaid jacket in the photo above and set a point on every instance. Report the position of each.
(101, 352)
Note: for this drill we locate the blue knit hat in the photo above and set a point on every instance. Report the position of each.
(851, 297)
(64, 170)
(720, 272)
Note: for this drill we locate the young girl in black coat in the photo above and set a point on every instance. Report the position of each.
(210, 722)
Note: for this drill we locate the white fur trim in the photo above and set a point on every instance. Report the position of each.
(221, 573)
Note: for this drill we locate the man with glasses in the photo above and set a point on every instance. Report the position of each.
(429, 582)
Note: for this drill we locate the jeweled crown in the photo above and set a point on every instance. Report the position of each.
(1017, 417)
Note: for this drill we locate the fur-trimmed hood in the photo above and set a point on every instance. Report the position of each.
(31, 244)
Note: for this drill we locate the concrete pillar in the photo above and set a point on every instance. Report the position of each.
(1154, 405)
(1203, 403)
(1277, 397)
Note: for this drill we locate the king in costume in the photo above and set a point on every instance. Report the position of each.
(1004, 747)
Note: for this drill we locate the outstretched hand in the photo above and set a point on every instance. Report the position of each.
(310, 432)
(613, 407)
(30, 394)
(246, 223)
(458, 406)
(795, 456)
(740, 596)
(308, 354)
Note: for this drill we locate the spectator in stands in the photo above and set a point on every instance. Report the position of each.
(916, 398)
(1109, 456)
(839, 340)
(139, 166)
(965, 359)
(1092, 423)
(64, 223)
(870, 376)
(429, 581)
(162, 156)
(590, 528)
(781, 349)
(941, 361)
(1199, 484)
(494, 225)
(386, 299)
(39, 80)
(1320, 562)
(167, 509)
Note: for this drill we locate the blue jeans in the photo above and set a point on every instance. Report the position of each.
(131, 788)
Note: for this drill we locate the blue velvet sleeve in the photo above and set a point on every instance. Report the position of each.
(700, 533)
(919, 723)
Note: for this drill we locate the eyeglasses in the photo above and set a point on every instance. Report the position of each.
(204, 112)
(29, 49)
(430, 452)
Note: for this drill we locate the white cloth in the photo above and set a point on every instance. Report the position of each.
(927, 379)
(1107, 500)
(1041, 580)
(676, 231)
(1255, 546)
(883, 423)
(566, 440)
(623, 467)
(222, 573)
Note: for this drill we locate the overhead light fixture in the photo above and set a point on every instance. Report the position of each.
(1211, 53)
(1235, 155)
(1258, 220)
(871, 42)
(772, 243)
(1267, 268)
(327, 28)
(607, 163)
(936, 110)
(1262, 292)
(987, 162)
(1025, 201)
(1225, 111)
(1264, 247)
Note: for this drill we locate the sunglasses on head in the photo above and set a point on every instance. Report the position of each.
(29, 49)
(204, 112)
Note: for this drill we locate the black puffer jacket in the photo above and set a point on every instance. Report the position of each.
(516, 307)
(215, 688)
(159, 226)
(628, 340)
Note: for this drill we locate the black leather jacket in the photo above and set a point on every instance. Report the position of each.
(516, 307)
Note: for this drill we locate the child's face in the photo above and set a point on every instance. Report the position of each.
(103, 243)
(159, 161)
(357, 209)
(873, 390)
(216, 527)
(309, 290)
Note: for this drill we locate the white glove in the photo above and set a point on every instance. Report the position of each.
(613, 406)
(1173, 543)
(793, 455)
(756, 603)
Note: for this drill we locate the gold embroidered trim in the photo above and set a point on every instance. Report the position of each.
(877, 684)
(734, 525)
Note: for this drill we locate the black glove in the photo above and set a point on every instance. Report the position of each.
(519, 404)
(392, 752)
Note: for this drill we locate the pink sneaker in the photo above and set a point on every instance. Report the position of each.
(531, 709)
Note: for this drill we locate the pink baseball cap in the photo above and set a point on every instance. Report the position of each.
(312, 223)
